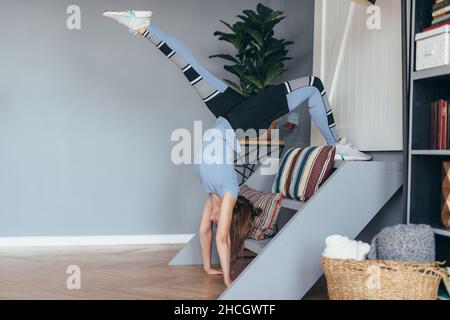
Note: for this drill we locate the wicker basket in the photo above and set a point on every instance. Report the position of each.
(381, 280)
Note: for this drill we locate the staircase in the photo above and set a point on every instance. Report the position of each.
(288, 265)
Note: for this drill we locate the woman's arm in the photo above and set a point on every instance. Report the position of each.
(206, 238)
(223, 236)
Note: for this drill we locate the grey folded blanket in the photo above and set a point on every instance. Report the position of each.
(413, 243)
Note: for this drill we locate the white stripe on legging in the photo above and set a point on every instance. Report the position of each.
(215, 94)
(186, 68)
(196, 80)
(288, 87)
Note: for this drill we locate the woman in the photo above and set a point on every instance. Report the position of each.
(233, 111)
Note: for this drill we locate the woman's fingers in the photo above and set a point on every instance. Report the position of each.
(228, 283)
(215, 272)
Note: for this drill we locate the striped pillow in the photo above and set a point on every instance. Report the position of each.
(270, 204)
(302, 172)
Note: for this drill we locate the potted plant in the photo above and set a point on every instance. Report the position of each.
(260, 56)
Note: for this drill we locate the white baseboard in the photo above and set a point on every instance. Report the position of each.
(14, 242)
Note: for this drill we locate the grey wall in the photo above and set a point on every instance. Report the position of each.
(86, 116)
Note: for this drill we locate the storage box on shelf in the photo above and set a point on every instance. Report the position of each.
(433, 48)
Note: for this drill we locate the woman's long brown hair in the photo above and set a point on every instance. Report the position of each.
(243, 215)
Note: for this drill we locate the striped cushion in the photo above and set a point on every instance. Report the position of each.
(270, 204)
(302, 172)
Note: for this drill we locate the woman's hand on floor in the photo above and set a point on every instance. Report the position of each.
(212, 271)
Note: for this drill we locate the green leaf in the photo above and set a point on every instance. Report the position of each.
(275, 15)
(251, 14)
(254, 81)
(228, 25)
(288, 43)
(225, 57)
(263, 11)
(269, 25)
(270, 51)
(235, 40)
(246, 20)
(237, 70)
(255, 35)
(234, 86)
(273, 73)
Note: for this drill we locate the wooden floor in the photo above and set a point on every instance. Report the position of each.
(138, 272)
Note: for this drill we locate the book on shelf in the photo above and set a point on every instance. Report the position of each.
(439, 4)
(440, 14)
(440, 125)
(433, 125)
(442, 19)
(436, 26)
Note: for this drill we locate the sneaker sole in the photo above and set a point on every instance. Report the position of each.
(124, 13)
(353, 160)
(341, 158)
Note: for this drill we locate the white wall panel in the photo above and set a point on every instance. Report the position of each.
(367, 101)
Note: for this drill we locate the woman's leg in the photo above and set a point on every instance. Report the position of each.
(218, 97)
(311, 90)
(272, 103)
(178, 53)
(215, 94)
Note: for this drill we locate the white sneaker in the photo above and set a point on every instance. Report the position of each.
(345, 151)
(133, 20)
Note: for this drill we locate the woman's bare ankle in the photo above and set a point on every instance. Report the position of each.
(141, 31)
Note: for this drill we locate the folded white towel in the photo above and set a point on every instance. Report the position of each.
(339, 247)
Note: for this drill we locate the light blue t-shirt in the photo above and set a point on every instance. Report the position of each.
(215, 166)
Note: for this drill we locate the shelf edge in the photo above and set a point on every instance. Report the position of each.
(431, 73)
